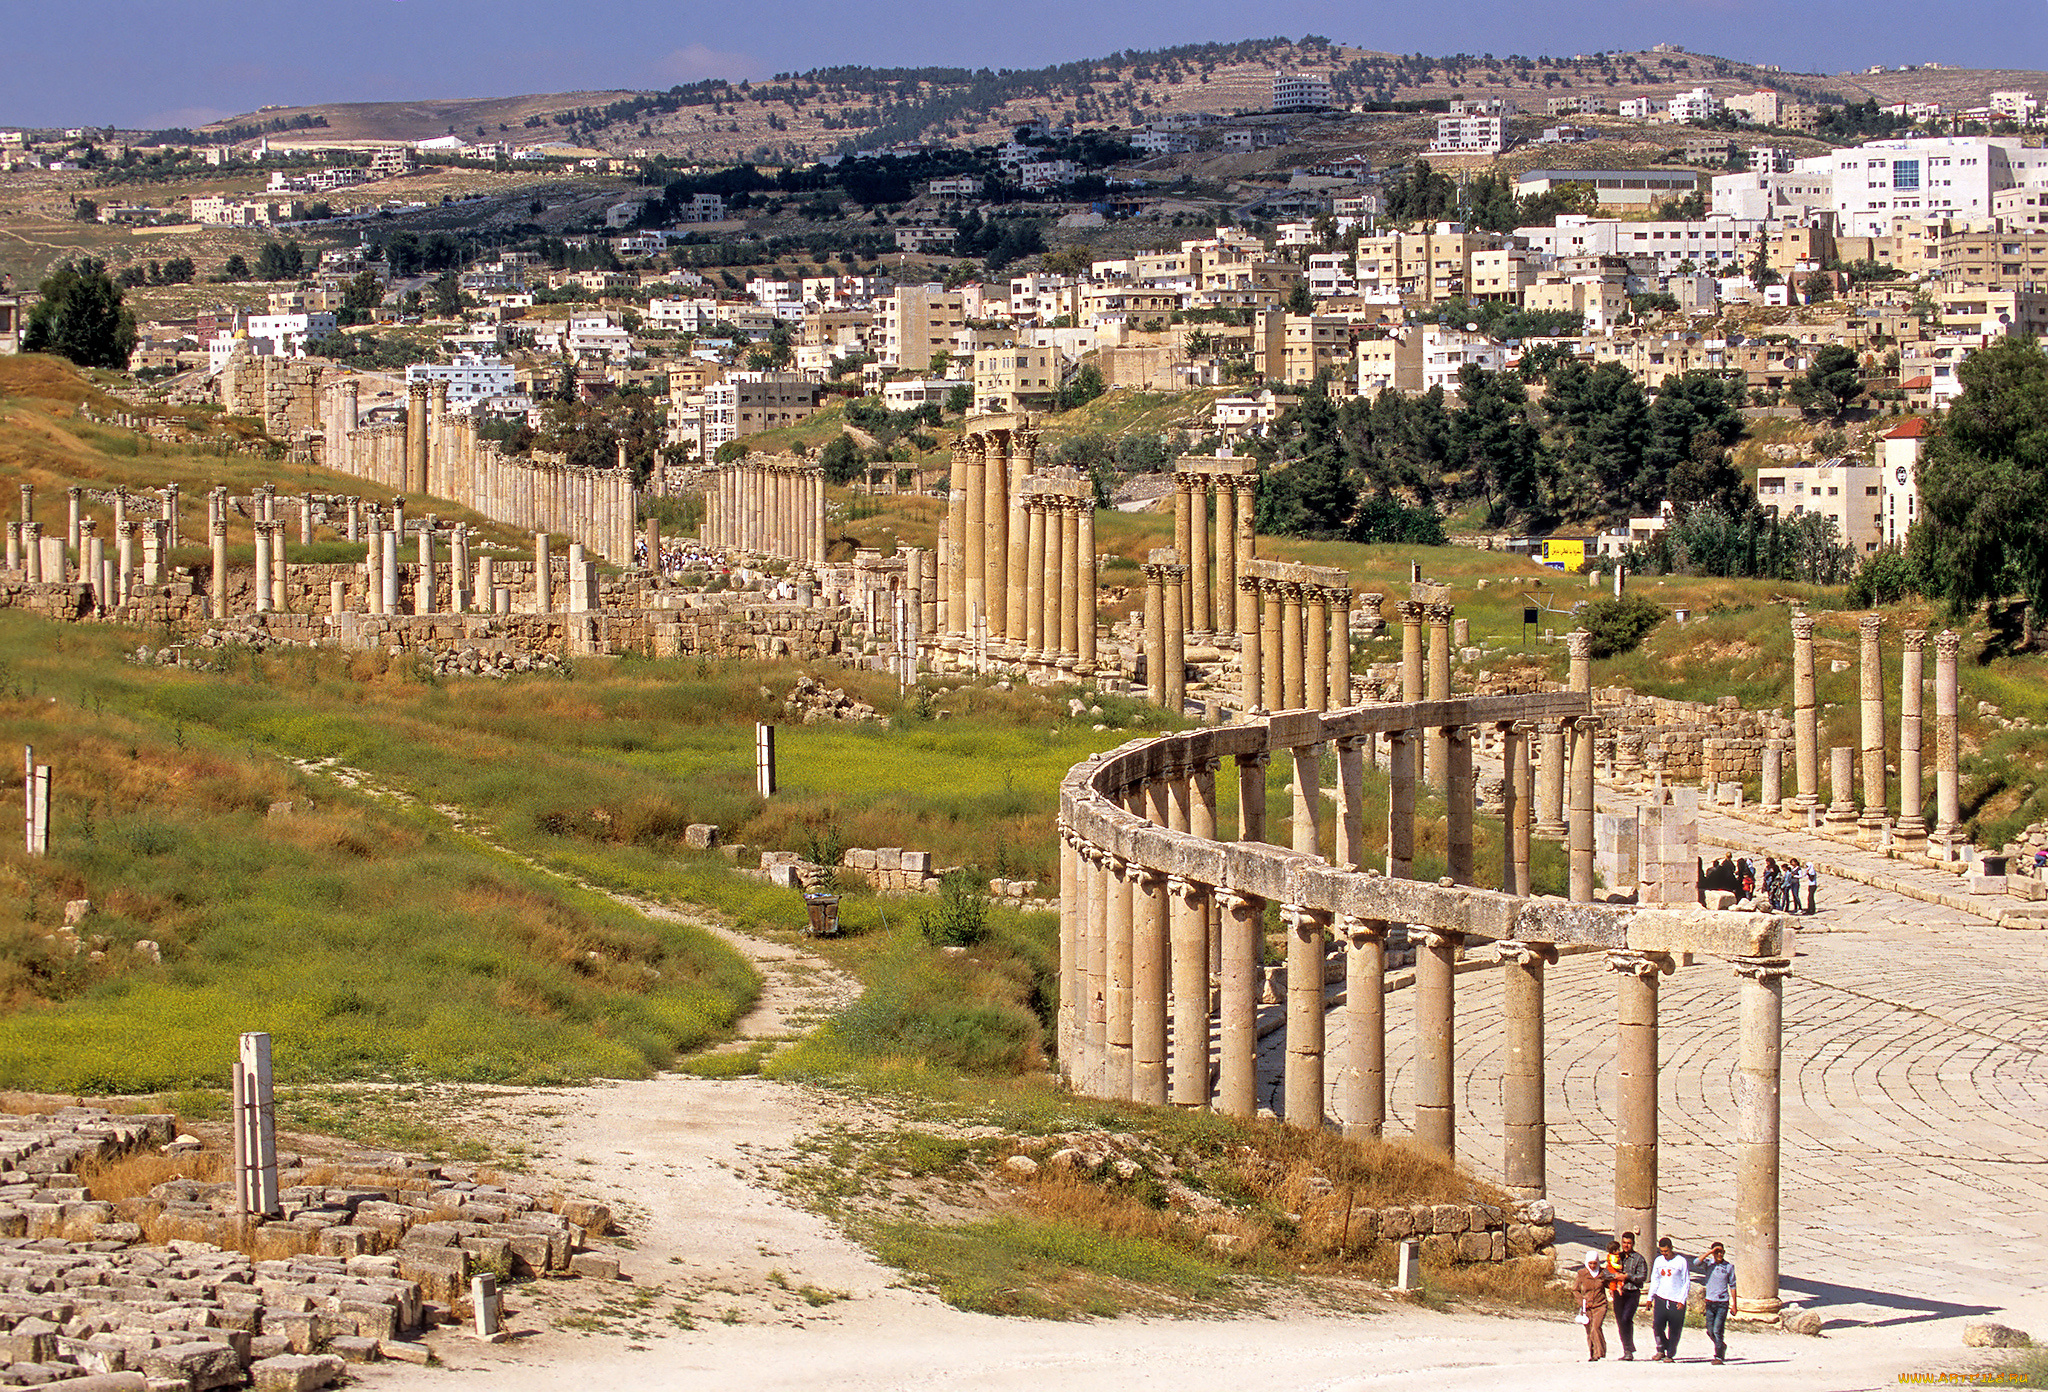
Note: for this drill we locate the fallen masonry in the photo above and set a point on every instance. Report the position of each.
(373, 1250)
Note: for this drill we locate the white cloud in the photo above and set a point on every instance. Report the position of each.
(696, 62)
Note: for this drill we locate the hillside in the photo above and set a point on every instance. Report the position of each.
(804, 115)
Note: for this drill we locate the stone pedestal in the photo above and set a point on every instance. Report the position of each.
(1842, 785)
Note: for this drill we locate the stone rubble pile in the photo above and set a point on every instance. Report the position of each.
(372, 1250)
(811, 702)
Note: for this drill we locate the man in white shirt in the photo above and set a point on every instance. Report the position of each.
(1670, 1283)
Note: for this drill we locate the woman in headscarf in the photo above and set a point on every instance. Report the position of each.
(1590, 1285)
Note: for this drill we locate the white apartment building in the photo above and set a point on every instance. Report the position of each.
(1301, 91)
(2020, 106)
(702, 207)
(682, 316)
(956, 186)
(291, 332)
(1898, 459)
(1470, 135)
(591, 334)
(1925, 177)
(1638, 108)
(1851, 495)
(1703, 242)
(1697, 105)
(1773, 196)
(913, 392)
(469, 379)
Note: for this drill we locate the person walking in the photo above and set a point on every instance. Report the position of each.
(1808, 873)
(1590, 1286)
(1718, 1274)
(1635, 1274)
(1670, 1284)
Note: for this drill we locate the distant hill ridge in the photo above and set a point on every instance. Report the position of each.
(802, 115)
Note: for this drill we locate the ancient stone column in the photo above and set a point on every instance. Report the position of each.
(1911, 831)
(1550, 780)
(1401, 751)
(974, 538)
(1226, 561)
(1304, 828)
(1184, 525)
(1581, 836)
(1034, 578)
(32, 551)
(1016, 561)
(1756, 1132)
(28, 502)
(1071, 955)
(1871, 672)
(1460, 799)
(1364, 1090)
(1190, 931)
(1087, 607)
(279, 576)
(1273, 644)
(389, 562)
(543, 576)
(124, 549)
(95, 564)
(1054, 601)
(995, 483)
(1251, 653)
(1121, 949)
(1149, 949)
(1293, 689)
(1175, 632)
(1805, 724)
(1635, 1139)
(486, 584)
(1070, 587)
(1773, 776)
(306, 521)
(1436, 954)
(1237, 1080)
(1315, 657)
(218, 581)
(171, 539)
(458, 565)
(1523, 1131)
(1439, 687)
(1201, 621)
(71, 499)
(1947, 741)
(1091, 1017)
(1842, 785)
(262, 576)
(1251, 795)
(1155, 632)
(1307, 938)
(1349, 845)
(1339, 648)
(1579, 647)
(423, 588)
(1516, 797)
(1247, 486)
(956, 551)
(415, 438)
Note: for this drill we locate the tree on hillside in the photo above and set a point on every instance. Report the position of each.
(1984, 486)
(81, 317)
(1831, 382)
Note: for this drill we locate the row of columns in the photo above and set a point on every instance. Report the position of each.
(1215, 558)
(1144, 949)
(1055, 584)
(1910, 830)
(1294, 636)
(984, 559)
(770, 506)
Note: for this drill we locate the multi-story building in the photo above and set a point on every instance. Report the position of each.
(469, 379)
(1015, 378)
(1992, 260)
(1699, 104)
(1503, 273)
(2020, 107)
(1621, 188)
(1293, 348)
(1759, 108)
(291, 332)
(1764, 196)
(1418, 358)
(916, 321)
(1301, 91)
(1898, 460)
(1639, 108)
(1701, 241)
(1470, 135)
(1849, 495)
(1925, 177)
(1430, 265)
(747, 403)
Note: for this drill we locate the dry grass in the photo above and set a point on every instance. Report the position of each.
(133, 1176)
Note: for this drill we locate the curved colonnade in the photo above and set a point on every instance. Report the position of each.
(1162, 936)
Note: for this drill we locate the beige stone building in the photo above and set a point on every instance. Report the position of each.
(1293, 348)
(916, 322)
(1848, 494)
(1015, 378)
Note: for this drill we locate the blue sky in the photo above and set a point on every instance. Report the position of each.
(179, 62)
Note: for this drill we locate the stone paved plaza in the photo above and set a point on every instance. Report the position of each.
(1915, 1105)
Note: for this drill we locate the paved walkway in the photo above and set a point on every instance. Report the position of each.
(1915, 1102)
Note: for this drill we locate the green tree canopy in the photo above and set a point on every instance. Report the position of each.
(81, 317)
(1984, 485)
(1832, 382)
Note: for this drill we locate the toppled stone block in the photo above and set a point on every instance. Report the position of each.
(1798, 1321)
(442, 1272)
(201, 1365)
(297, 1372)
(597, 1266)
(401, 1351)
(351, 1349)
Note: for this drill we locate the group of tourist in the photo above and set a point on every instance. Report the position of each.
(675, 559)
(1788, 886)
(1621, 1276)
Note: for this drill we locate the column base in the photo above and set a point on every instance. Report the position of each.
(1756, 1309)
(1556, 831)
(1840, 818)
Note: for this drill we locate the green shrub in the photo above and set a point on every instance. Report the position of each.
(961, 918)
(1617, 625)
(1885, 577)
